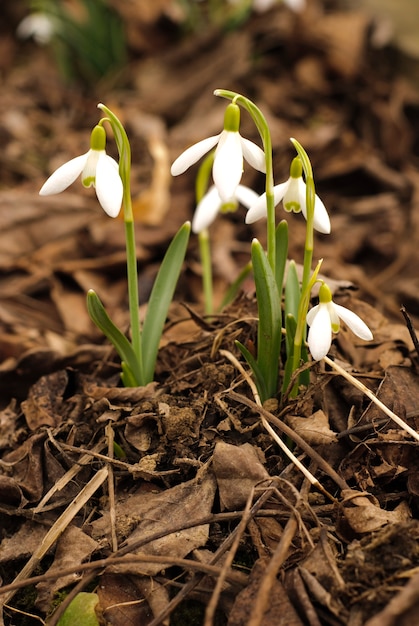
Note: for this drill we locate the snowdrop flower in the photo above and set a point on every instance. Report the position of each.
(293, 196)
(231, 147)
(40, 26)
(211, 204)
(263, 5)
(323, 319)
(97, 169)
(260, 6)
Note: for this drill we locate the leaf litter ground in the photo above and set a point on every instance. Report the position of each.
(171, 502)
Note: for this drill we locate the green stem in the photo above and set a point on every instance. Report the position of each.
(205, 253)
(133, 295)
(201, 187)
(308, 280)
(263, 129)
(124, 150)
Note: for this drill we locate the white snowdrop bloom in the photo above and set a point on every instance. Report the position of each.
(292, 193)
(97, 169)
(324, 319)
(211, 204)
(231, 148)
(40, 26)
(260, 6)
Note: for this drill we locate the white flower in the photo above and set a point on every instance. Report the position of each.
(231, 148)
(211, 204)
(293, 196)
(40, 26)
(324, 319)
(263, 5)
(97, 169)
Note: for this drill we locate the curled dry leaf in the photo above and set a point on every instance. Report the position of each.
(364, 514)
(315, 429)
(237, 470)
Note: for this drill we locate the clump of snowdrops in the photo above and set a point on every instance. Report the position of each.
(283, 300)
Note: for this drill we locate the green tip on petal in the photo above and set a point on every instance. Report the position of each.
(98, 138)
(325, 295)
(296, 168)
(294, 207)
(229, 207)
(89, 181)
(232, 118)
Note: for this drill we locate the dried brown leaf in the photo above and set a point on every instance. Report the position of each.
(237, 470)
(73, 548)
(149, 513)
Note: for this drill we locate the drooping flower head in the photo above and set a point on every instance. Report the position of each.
(96, 168)
(292, 193)
(211, 204)
(324, 319)
(231, 149)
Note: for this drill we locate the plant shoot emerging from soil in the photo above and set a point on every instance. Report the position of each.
(112, 183)
(272, 287)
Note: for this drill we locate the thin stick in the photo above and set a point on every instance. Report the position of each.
(356, 383)
(58, 527)
(266, 424)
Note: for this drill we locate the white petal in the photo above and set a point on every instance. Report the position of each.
(321, 217)
(354, 322)
(64, 176)
(320, 334)
(228, 165)
(321, 221)
(207, 210)
(88, 175)
(254, 155)
(257, 210)
(109, 187)
(280, 191)
(312, 314)
(334, 316)
(296, 5)
(193, 154)
(246, 196)
(294, 196)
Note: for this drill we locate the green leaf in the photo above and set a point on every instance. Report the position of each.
(130, 366)
(292, 291)
(290, 328)
(81, 611)
(257, 374)
(160, 299)
(269, 327)
(234, 288)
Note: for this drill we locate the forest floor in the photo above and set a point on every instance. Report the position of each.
(172, 503)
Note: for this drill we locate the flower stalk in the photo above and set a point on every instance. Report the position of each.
(124, 150)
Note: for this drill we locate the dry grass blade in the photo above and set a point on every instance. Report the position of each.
(356, 383)
(59, 526)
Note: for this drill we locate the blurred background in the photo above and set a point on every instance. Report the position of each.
(340, 76)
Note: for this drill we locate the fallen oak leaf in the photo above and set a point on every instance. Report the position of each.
(364, 514)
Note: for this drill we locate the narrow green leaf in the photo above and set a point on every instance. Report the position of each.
(290, 328)
(234, 288)
(292, 291)
(160, 299)
(257, 374)
(269, 327)
(130, 367)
